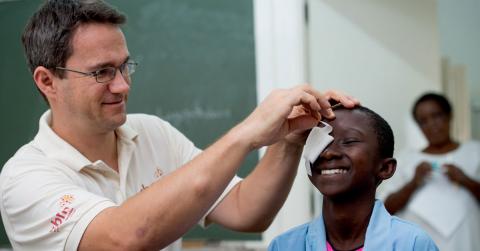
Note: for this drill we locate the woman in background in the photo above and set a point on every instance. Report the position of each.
(439, 187)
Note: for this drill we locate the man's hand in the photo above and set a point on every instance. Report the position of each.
(300, 136)
(288, 114)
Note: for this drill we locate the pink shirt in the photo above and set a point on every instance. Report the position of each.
(330, 248)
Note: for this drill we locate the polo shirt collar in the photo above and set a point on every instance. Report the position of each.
(54, 147)
(378, 231)
(376, 238)
(126, 133)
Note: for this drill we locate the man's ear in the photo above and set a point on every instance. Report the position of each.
(43, 78)
(389, 165)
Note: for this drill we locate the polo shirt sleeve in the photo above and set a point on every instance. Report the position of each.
(273, 245)
(203, 221)
(424, 243)
(184, 150)
(43, 209)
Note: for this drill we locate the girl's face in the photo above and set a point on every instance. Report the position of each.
(350, 163)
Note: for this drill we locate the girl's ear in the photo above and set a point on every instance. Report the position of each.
(389, 165)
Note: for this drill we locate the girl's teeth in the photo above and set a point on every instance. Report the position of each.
(334, 171)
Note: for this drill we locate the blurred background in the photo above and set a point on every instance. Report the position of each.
(204, 65)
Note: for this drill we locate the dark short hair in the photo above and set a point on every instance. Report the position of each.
(381, 127)
(441, 100)
(48, 34)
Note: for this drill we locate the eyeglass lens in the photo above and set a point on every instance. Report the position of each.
(107, 74)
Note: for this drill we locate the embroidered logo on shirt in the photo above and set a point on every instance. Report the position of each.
(65, 200)
(158, 172)
(66, 211)
(143, 187)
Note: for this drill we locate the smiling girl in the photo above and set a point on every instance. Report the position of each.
(347, 173)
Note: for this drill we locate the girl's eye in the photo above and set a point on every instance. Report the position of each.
(349, 141)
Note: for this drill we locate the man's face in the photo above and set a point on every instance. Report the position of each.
(81, 101)
(348, 165)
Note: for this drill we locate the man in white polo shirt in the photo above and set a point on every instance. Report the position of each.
(94, 178)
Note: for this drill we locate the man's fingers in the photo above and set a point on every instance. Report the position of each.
(315, 104)
(304, 109)
(346, 100)
(321, 99)
(324, 98)
(301, 123)
(353, 99)
(310, 100)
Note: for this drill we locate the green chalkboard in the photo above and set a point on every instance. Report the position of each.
(196, 70)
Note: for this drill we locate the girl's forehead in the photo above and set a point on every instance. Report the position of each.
(352, 122)
(345, 118)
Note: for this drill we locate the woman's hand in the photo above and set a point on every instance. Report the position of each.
(455, 174)
(422, 172)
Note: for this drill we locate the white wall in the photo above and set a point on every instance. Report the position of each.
(383, 52)
(459, 23)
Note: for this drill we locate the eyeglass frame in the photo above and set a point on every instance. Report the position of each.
(96, 73)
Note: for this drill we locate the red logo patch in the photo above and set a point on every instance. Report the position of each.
(64, 214)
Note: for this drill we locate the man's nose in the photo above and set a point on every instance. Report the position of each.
(119, 84)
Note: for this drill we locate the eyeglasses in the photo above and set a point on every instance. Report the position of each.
(108, 73)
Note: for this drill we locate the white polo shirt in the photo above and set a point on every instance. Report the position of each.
(50, 192)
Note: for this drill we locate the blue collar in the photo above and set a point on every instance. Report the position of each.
(377, 237)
